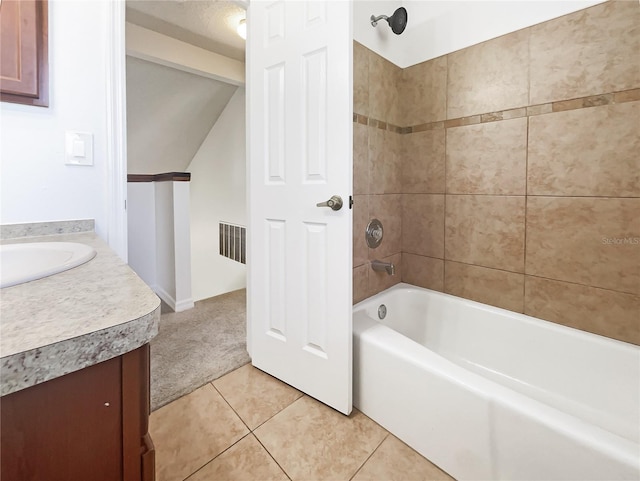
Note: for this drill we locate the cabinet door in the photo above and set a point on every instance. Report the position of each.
(138, 452)
(148, 460)
(67, 429)
(23, 52)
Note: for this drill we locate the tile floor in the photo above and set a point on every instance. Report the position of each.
(250, 426)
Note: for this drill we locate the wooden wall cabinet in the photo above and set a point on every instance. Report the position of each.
(24, 69)
(91, 424)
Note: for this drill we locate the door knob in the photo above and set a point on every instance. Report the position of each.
(335, 203)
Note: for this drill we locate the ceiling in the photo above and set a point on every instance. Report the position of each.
(207, 24)
(169, 115)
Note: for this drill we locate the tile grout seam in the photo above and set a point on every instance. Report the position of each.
(370, 456)
(229, 404)
(251, 432)
(444, 187)
(525, 274)
(272, 457)
(217, 455)
(526, 207)
(526, 174)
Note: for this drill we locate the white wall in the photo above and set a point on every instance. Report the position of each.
(141, 219)
(182, 242)
(218, 193)
(436, 28)
(35, 184)
(169, 114)
(159, 239)
(165, 244)
(380, 39)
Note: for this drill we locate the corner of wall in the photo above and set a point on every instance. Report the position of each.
(218, 194)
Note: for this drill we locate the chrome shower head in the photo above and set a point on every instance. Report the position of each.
(397, 21)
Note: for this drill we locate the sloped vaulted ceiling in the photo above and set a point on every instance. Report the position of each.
(169, 114)
(207, 24)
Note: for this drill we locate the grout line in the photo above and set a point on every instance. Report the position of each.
(218, 455)
(446, 194)
(370, 154)
(482, 266)
(529, 30)
(263, 422)
(370, 456)
(526, 206)
(444, 273)
(524, 295)
(529, 275)
(275, 414)
(251, 432)
(583, 285)
(271, 456)
(558, 196)
(229, 404)
(423, 255)
(552, 196)
(446, 89)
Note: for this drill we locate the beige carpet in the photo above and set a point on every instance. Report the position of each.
(196, 346)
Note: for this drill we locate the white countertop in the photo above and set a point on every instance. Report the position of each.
(59, 324)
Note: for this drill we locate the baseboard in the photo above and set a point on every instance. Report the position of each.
(184, 304)
(165, 296)
(177, 306)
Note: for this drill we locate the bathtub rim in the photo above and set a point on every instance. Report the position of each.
(593, 437)
(553, 326)
(367, 329)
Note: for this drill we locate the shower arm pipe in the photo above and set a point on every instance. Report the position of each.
(375, 20)
(397, 22)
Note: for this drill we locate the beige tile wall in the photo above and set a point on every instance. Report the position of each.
(510, 172)
(377, 169)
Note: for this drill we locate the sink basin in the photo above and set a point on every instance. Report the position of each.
(21, 263)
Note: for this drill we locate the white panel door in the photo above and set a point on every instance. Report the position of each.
(299, 112)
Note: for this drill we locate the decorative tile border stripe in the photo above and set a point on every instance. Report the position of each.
(529, 111)
(364, 120)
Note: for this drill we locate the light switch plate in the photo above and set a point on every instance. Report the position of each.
(78, 148)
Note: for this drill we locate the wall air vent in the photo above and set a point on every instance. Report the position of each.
(233, 242)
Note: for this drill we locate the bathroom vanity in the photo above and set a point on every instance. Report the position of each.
(74, 371)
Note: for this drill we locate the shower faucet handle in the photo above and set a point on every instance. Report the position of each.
(335, 203)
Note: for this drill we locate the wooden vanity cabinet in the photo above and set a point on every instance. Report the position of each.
(24, 69)
(91, 424)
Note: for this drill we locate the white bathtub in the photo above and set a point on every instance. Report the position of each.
(489, 394)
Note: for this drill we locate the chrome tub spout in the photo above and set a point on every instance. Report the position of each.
(387, 267)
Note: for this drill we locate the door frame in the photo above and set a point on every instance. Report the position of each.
(116, 95)
(116, 109)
